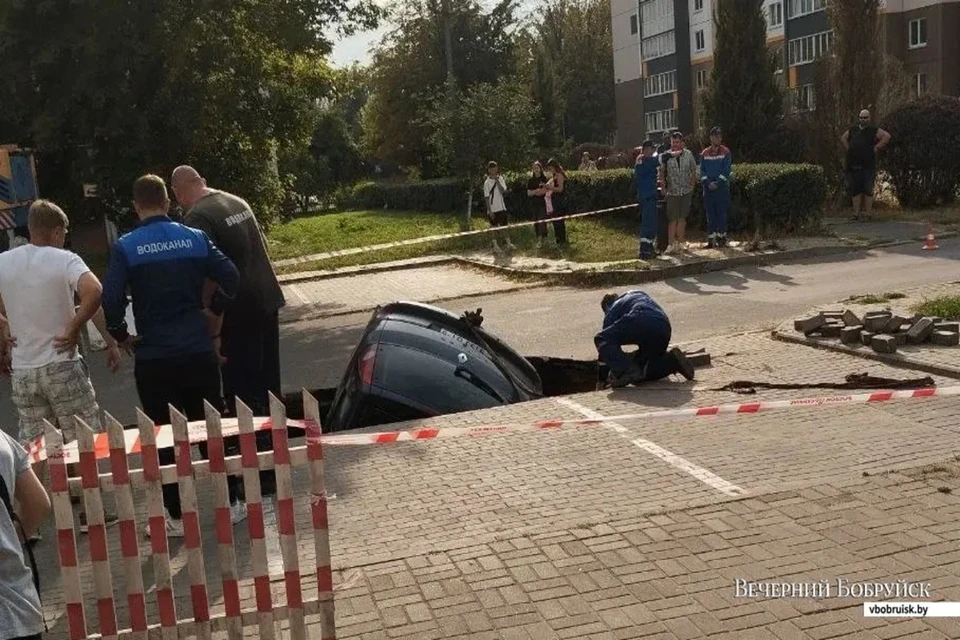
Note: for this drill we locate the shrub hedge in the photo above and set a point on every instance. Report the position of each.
(923, 174)
(776, 197)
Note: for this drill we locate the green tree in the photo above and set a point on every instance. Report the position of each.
(855, 75)
(110, 89)
(571, 72)
(742, 94)
(410, 69)
(485, 122)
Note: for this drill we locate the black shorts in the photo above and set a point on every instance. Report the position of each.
(860, 182)
(498, 219)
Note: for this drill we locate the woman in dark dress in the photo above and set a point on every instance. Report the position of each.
(556, 188)
(536, 190)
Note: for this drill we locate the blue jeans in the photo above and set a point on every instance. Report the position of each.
(650, 333)
(648, 225)
(717, 204)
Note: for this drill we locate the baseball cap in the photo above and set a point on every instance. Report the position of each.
(716, 131)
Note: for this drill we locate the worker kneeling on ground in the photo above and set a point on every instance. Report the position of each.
(633, 318)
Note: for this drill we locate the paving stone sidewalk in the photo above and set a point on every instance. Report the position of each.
(926, 357)
(584, 533)
(364, 291)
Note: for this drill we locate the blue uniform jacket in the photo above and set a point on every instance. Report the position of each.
(645, 172)
(633, 303)
(165, 264)
(715, 166)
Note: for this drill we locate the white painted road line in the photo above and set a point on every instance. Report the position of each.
(295, 290)
(705, 476)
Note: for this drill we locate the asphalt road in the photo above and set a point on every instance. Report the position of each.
(561, 322)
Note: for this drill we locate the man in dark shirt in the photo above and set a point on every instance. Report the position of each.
(251, 327)
(862, 142)
(166, 265)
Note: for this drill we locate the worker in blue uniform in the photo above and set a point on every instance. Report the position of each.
(716, 165)
(633, 318)
(165, 266)
(645, 171)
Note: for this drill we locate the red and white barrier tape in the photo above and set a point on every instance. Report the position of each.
(432, 433)
(197, 430)
(317, 257)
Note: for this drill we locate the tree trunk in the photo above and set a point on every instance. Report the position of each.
(469, 209)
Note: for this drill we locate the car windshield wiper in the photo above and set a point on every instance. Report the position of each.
(472, 378)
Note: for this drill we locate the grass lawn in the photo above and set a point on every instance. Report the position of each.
(604, 238)
(946, 307)
(591, 240)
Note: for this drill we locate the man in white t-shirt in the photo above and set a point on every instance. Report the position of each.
(494, 194)
(39, 283)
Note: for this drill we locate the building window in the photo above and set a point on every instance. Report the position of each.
(808, 48)
(634, 26)
(653, 10)
(918, 33)
(701, 120)
(701, 78)
(700, 40)
(660, 84)
(661, 120)
(797, 8)
(920, 84)
(775, 15)
(662, 44)
(803, 98)
(698, 5)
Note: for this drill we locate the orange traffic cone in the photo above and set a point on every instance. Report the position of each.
(930, 243)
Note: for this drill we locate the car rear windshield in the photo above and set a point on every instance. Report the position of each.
(432, 382)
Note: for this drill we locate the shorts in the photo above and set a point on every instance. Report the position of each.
(498, 219)
(678, 207)
(56, 392)
(860, 182)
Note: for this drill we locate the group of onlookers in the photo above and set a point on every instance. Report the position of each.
(546, 191)
(205, 304)
(673, 168)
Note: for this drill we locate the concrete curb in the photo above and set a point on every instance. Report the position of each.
(304, 276)
(633, 276)
(895, 360)
(306, 315)
(535, 279)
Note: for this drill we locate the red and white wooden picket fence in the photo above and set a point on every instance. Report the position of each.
(167, 622)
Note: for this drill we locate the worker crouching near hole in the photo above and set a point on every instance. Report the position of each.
(633, 318)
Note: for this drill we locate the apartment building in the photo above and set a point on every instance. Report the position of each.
(663, 54)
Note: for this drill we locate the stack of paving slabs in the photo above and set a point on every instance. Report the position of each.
(883, 331)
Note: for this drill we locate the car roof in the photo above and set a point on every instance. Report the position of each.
(409, 324)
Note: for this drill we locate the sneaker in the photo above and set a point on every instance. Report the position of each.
(238, 512)
(620, 380)
(539, 243)
(670, 249)
(496, 247)
(108, 520)
(684, 367)
(510, 246)
(174, 527)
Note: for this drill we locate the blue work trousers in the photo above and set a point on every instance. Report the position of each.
(648, 225)
(717, 204)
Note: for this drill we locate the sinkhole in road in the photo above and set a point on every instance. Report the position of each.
(559, 376)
